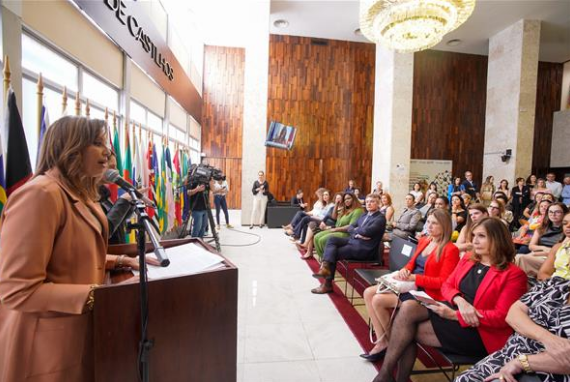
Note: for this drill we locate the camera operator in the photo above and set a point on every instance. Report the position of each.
(199, 204)
(220, 191)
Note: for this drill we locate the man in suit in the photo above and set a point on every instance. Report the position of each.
(470, 186)
(362, 244)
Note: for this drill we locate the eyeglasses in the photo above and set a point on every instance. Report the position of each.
(557, 212)
(494, 208)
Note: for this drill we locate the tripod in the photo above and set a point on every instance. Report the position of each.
(187, 223)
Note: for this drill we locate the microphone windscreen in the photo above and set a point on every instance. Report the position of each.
(111, 176)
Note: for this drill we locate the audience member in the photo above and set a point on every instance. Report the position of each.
(440, 203)
(260, 190)
(455, 188)
(520, 199)
(350, 188)
(349, 216)
(298, 200)
(475, 212)
(458, 213)
(554, 186)
(504, 188)
(220, 192)
(417, 193)
(565, 196)
(507, 214)
(317, 207)
(544, 238)
(386, 208)
(487, 190)
(557, 264)
(467, 200)
(316, 226)
(300, 229)
(497, 210)
(531, 182)
(434, 260)
(539, 346)
(432, 188)
(430, 204)
(470, 186)
(478, 294)
(358, 195)
(532, 206)
(362, 244)
(379, 190)
(526, 232)
(541, 187)
(406, 224)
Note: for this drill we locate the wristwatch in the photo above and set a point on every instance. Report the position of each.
(523, 359)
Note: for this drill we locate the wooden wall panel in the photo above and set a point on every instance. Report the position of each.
(325, 88)
(449, 100)
(222, 114)
(548, 95)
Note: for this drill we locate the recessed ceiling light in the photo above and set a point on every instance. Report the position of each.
(281, 23)
(454, 42)
(358, 32)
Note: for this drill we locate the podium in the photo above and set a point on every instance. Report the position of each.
(192, 322)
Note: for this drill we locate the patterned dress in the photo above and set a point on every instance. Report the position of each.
(547, 303)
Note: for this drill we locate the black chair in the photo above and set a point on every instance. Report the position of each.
(455, 361)
(401, 251)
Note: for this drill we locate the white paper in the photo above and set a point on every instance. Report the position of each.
(185, 260)
(406, 250)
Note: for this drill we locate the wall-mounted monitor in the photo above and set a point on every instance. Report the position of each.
(280, 136)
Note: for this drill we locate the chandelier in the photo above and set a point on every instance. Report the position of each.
(411, 25)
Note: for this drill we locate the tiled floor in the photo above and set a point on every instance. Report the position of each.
(286, 333)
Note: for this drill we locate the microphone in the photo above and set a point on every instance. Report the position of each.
(112, 176)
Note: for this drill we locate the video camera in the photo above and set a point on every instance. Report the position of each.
(203, 173)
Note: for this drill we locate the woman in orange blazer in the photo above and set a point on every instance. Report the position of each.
(479, 293)
(434, 260)
(54, 240)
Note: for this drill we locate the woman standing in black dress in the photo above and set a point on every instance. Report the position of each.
(521, 198)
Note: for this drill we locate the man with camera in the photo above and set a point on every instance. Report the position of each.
(201, 182)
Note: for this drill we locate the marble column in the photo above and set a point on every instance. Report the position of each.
(393, 123)
(255, 101)
(511, 100)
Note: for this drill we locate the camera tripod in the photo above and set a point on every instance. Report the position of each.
(187, 223)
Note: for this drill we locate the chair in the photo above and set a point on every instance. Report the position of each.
(454, 360)
(401, 250)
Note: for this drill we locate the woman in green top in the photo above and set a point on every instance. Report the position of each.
(350, 214)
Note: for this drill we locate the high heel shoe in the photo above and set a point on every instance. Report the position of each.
(374, 357)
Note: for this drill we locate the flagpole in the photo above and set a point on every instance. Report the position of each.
(7, 75)
(77, 105)
(87, 109)
(40, 94)
(64, 101)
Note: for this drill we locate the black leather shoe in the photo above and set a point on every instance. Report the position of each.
(374, 357)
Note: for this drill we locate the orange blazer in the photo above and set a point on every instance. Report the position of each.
(497, 292)
(435, 271)
(52, 249)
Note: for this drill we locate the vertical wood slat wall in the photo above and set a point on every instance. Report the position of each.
(222, 115)
(324, 88)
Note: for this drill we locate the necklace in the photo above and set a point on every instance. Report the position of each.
(480, 268)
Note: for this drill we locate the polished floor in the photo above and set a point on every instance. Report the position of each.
(286, 333)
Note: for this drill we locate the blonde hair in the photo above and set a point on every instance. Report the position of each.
(63, 147)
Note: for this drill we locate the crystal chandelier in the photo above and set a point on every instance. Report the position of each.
(411, 25)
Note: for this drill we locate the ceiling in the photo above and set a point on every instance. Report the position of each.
(338, 20)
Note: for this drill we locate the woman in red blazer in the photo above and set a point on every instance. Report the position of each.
(434, 260)
(478, 296)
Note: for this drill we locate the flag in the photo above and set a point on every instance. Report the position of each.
(151, 183)
(18, 167)
(178, 197)
(128, 160)
(160, 193)
(185, 167)
(3, 196)
(170, 204)
(138, 164)
(43, 128)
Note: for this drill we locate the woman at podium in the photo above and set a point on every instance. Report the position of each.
(52, 255)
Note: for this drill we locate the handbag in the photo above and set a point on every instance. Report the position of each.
(389, 283)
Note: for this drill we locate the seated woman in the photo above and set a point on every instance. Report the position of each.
(432, 188)
(543, 239)
(540, 344)
(458, 213)
(478, 295)
(386, 208)
(418, 194)
(475, 212)
(467, 199)
(306, 246)
(456, 188)
(359, 196)
(300, 229)
(527, 212)
(430, 205)
(317, 207)
(525, 233)
(497, 210)
(434, 260)
(406, 224)
(348, 216)
(557, 263)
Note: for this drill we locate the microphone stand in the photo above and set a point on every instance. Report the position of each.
(144, 226)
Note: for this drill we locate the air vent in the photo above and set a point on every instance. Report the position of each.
(317, 41)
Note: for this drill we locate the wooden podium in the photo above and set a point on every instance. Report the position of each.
(192, 321)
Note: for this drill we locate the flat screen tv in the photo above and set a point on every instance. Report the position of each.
(280, 136)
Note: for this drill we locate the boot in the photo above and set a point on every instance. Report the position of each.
(324, 272)
(325, 287)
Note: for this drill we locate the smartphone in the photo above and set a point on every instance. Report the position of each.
(425, 300)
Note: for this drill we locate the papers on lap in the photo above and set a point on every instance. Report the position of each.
(185, 260)
(422, 296)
